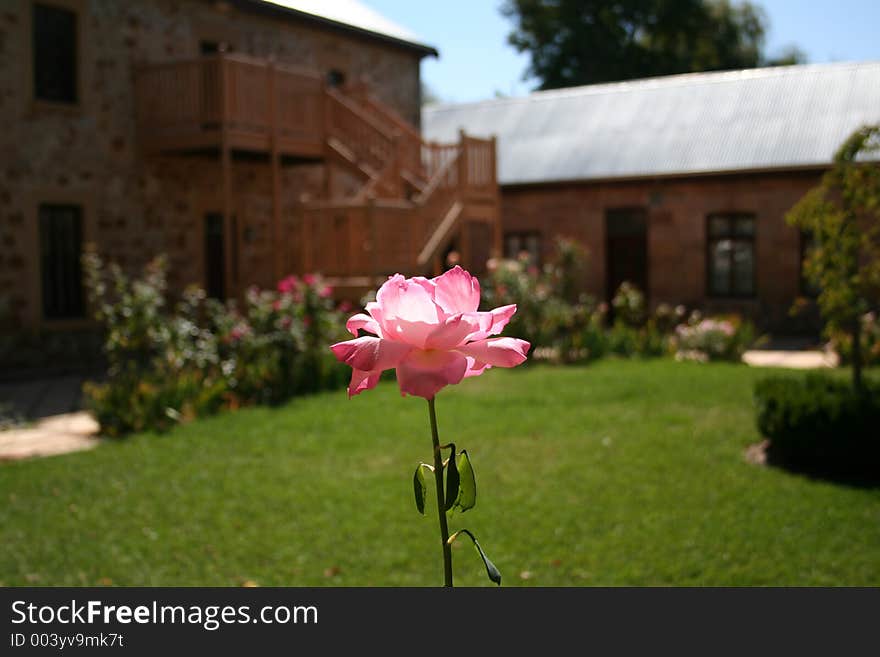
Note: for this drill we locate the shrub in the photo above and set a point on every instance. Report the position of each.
(562, 323)
(841, 342)
(713, 338)
(638, 332)
(204, 355)
(820, 424)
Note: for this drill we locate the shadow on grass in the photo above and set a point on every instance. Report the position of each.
(864, 475)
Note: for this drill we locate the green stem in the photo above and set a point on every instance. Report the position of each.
(441, 500)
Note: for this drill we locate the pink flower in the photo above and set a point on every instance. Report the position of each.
(326, 292)
(430, 331)
(309, 279)
(288, 284)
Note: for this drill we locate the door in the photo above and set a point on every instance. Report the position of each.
(215, 245)
(626, 251)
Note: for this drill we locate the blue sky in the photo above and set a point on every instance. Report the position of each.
(475, 60)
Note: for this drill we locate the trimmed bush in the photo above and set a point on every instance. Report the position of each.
(820, 424)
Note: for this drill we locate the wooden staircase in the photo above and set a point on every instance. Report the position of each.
(417, 200)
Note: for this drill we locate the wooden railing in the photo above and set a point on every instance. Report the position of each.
(366, 239)
(368, 139)
(190, 103)
(351, 240)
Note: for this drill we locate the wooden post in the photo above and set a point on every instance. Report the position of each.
(226, 167)
(462, 163)
(396, 180)
(277, 237)
(373, 236)
(498, 234)
(463, 234)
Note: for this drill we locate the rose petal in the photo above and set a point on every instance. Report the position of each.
(362, 321)
(493, 322)
(475, 368)
(402, 299)
(499, 352)
(453, 332)
(369, 354)
(361, 381)
(425, 373)
(457, 291)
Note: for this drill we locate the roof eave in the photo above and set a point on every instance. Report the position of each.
(259, 6)
(648, 177)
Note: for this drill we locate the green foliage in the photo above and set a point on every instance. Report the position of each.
(566, 326)
(560, 322)
(575, 42)
(842, 215)
(452, 481)
(419, 488)
(841, 342)
(821, 424)
(167, 366)
(467, 491)
(491, 570)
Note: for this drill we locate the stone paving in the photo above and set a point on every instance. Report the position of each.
(56, 434)
(800, 360)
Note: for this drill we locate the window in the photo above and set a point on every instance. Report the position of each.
(516, 244)
(335, 78)
(731, 255)
(60, 251)
(54, 40)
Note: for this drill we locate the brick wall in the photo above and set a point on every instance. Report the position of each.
(676, 233)
(136, 207)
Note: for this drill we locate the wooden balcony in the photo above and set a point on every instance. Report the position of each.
(416, 199)
(230, 100)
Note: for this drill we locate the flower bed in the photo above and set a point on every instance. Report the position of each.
(172, 365)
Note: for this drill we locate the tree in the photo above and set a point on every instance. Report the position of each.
(575, 42)
(842, 215)
(429, 96)
(789, 55)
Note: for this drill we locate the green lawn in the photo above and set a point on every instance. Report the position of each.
(621, 473)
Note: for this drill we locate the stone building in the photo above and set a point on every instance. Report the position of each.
(678, 184)
(244, 139)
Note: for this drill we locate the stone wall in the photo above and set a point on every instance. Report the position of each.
(136, 207)
(676, 233)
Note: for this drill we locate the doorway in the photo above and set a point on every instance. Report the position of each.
(626, 249)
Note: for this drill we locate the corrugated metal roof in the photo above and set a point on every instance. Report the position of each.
(782, 117)
(352, 13)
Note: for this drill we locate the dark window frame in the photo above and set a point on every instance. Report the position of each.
(523, 235)
(71, 96)
(731, 235)
(62, 284)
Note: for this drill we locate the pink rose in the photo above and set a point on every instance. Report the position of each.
(288, 284)
(430, 331)
(309, 279)
(326, 292)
